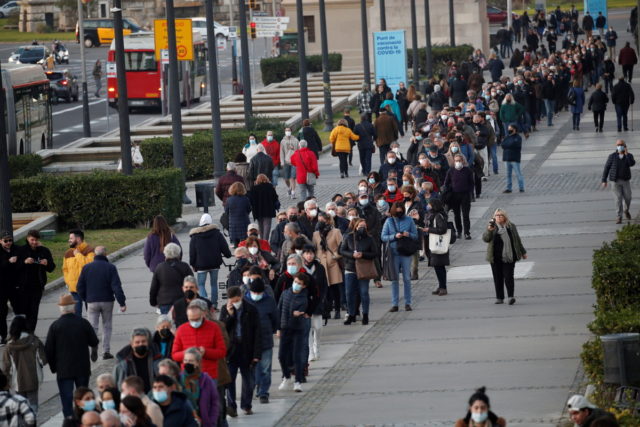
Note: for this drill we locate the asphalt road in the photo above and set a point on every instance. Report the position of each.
(67, 117)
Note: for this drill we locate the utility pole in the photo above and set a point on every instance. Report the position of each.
(427, 27)
(218, 159)
(246, 76)
(326, 77)
(365, 43)
(302, 61)
(414, 42)
(452, 25)
(510, 14)
(86, 122)
(234, 65)
(6, 220)
(123, 102)
(383, 16)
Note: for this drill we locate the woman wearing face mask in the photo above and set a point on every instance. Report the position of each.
(374, 183)
(504, 249)
(454, 149)
(460, 181)
(413, 208)
(83, 401)
(399, 226)
(264, 203)
(251, 148)
(436, 223)
(479, 413)
(357, 245)
(293, 267)
(288, 146)
(321, 311)
(327, 240)
(341, 137)
(199, 388)
(133, 413)
(110, 399)
(163, 337)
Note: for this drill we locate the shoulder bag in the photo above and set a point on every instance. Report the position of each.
(406, 246)
(311, 177)
(365, 268)
(439, 243)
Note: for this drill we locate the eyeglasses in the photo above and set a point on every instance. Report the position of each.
(7, 240)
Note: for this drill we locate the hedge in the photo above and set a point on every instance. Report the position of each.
(198, 148)
(102, 199)
(281, 68)
(25, 165)
(440, 54)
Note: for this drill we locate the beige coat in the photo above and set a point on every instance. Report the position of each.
(329, 258)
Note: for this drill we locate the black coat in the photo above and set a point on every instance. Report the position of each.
(319, 276)
(260, 163)
(179, 412)
(598, 101)
(264, 201)
(251, 342)
(67, 346)
(365, 244)
(437, 224)
(166, 284)
(613, 163)
(33, 277)
(206, 248)
(436, 101)
(314, 143)
(512, 148)
(367, 134)
(180, 310)
(9, 272)
(458, 89)
(622, 94)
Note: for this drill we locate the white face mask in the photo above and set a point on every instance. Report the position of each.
(299, 252)
(423, 162)
(253, 250)
(391, 160)
(350, 217)
(313, 213)
(362, 188)
(237, 305)
(332, 213)
(246, 280)
(458, 165)
(444, 118)
(396, 150)
(287, 133)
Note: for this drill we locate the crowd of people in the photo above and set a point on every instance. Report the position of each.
(295, 269)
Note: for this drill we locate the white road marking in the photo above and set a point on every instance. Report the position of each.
(77, 107)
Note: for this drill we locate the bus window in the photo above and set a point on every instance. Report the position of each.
(201, 60)
(140, 61)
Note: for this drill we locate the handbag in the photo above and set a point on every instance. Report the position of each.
(334, 153)
(406, 246)
(311, 177)
(388, 272)
(439, 243)
(365, 268)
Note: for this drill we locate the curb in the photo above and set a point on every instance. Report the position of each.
(116, 256)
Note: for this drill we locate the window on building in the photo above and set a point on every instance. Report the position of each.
(310, 27)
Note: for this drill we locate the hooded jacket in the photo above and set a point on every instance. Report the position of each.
(341, 137)
(72, 264)
(206, 248)
(22, 362)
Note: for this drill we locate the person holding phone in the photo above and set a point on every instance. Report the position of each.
(504, 249)
(618, 171)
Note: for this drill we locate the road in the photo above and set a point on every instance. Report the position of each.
(67, 117)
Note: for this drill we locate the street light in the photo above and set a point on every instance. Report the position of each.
(452, 24)
(427, 27)
(365, 42)
(326, 77)
(246, 77)
(218, 160)
(383, 16)
(6, 222)
(86, 122)
(414, 42)
(302, 61)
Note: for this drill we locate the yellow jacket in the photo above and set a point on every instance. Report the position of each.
(72, 264)
(341, 137)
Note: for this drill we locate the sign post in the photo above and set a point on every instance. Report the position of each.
(184, 38)
(390, 57)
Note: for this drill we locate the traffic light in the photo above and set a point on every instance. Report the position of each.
(253, 5)
(253, 30)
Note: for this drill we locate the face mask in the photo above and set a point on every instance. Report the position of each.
(292, 269)
(428, 208)
(293, 218)
(189, 294)
(254, 234)
(160, 396)
(418, 138)
(396, 150)
(479, 417)
(252, 141)
(406, 183)
(444, 118)
(287, 133)
(392, 188)
(269, 138)
(381, 203)
(423, 162)
(165, 333)
(620, 148)
(253, 250)
(189, 368)
(350, 217)
(391, 160)
(88, 405)
(299, 252)
(237, 305)
(125, 419)
(246, 280)
(362, 188)
(296, 287)
(454, 149)
(195, 323)
(399, 214)
(458, 165)
(313, 213)
(364, 202)
(256, 297)
(372, 181)
(108, 404)
(331, 213)
(361, 232)
(140, 350)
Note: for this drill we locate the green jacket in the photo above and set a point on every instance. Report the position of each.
(489, 235)
(510, 113)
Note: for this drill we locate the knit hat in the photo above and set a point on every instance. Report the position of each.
(205, 219)
(256, 285)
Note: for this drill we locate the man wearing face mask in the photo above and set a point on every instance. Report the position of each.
(386, 129)
(242, 322)
(341, 223)
(618, 171)
(460, 180)
(366, 147)
(266, 306)
(291, 233)
(139, 358)
(190, 291)
(391, 163)
(272, 149)
(278, 236)
(309, 219)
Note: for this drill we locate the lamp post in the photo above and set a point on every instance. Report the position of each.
(326, 77)
(452, 24)
(302, 61)
(6, 221)
(383, 16)
(365, 42)
(218, 160)
(246, 76)
(427, 27)
(414, 42)
(86, 122)
(123, 103)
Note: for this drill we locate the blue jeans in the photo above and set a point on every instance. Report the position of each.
(549, 106)
(291, 353)
(165, 308)
(401, 263)
(248, 377)
(263, 373)
(493, 152)
(213, 282)
(354, 286)
(514, 166)
(65, 387)
(274, 176)
(78, 301)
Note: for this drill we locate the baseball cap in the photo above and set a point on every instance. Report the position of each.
(253, 226)
(578, 402)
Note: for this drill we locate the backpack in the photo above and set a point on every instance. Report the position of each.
(571, 97)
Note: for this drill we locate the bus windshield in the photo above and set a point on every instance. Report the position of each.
(140, 61)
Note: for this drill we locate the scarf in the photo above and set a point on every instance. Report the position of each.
(192, 388)
(507, 249)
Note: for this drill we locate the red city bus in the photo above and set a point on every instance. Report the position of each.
(144, 73)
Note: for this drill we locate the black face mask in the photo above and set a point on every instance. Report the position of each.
(293, 218)
(140, 350)
(322, 226)
(399, 214)
(361, 232)
(407, 199)
(165, 333)
(254, 234)
(189, 368)
(189, 294)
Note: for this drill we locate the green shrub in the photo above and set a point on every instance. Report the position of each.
(440, 54)
(102, 199)
(281, 68)
(24, 165)
(624, 319)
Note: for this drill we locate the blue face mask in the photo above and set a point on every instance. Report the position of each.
(256, 297)
(292, 269)
(88, 405)
(418, 138)
(428, 208)
(108, 404)
(372, 181)
(160, 396)
(392, 188)
(296, 287)
(382, 203)
(620, 148)
(196, 323)
(479, 417)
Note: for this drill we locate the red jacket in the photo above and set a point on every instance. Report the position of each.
(305, 161)
(627, 56)
(264, 245)
(273, 150)
(209, 336)
(397, 196)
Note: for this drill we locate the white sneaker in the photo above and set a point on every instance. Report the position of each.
(284, 384)
(297, 387)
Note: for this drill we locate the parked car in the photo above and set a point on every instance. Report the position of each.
(63, 85)
(200, 25)
(13, 58)
(9, 8)
(33, 55)
(497, 15)
(100, 31)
